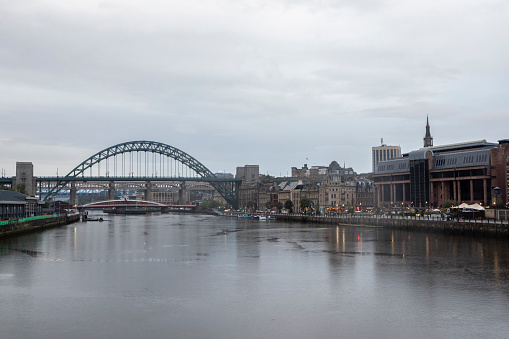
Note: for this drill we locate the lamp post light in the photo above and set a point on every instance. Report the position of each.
(496, 191)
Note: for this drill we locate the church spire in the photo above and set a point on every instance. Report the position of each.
(428, 139)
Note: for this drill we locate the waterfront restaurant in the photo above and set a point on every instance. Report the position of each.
(469, 172)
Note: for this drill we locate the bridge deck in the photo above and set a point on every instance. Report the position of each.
(139, 179)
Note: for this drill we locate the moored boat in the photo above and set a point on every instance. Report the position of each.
(94, 219)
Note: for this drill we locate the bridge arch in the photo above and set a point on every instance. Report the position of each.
(151, 147)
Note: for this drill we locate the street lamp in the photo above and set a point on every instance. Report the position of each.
(496, 191)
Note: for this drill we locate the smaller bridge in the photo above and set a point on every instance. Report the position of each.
(123, 203)
(133, 206)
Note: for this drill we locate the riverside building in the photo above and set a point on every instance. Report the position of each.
(470, 172)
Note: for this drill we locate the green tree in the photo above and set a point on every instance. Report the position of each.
(447, 204)
(21, 188)
(209, 204)
(279, 206)
(305, 204)
(289, 206)
(269, 205)
(349, 207)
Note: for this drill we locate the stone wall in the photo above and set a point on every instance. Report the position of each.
(480, 228)
(18, 228)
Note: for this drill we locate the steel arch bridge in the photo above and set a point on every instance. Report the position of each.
(135, 159)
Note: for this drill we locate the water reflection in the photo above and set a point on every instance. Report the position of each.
(437, 251)
(203, 276)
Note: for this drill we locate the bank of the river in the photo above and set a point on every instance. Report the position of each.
(474, 228)
(35, 224)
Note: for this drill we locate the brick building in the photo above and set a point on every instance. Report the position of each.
(466, 172)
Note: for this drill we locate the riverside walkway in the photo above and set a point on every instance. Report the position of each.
(426, 223)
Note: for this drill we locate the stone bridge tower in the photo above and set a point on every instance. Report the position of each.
(24, 177)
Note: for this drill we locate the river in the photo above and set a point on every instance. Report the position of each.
(200, 276)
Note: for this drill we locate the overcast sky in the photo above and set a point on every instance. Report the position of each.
(274, 83)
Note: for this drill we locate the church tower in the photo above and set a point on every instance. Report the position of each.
(428, 139)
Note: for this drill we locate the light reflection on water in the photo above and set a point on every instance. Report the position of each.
(209, 277)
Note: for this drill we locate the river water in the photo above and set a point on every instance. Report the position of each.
(198, 276)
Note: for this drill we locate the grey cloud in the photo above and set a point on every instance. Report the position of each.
(249, 82)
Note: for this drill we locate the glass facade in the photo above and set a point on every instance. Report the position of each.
(419, 183)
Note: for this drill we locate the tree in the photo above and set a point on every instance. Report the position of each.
(248, 205)
(21, 188)
(269, 205)
(349, 207)
(209, 204)
(289, 205)
(447, 204)
(305, 204)
(279, 206)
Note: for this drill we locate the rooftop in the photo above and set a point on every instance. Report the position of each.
(11, 196)
(460, 146)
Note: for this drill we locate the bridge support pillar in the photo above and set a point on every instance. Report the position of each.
(111, 191)
(73, 199)
(148, 192)
(182, 193)
(237, 190)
